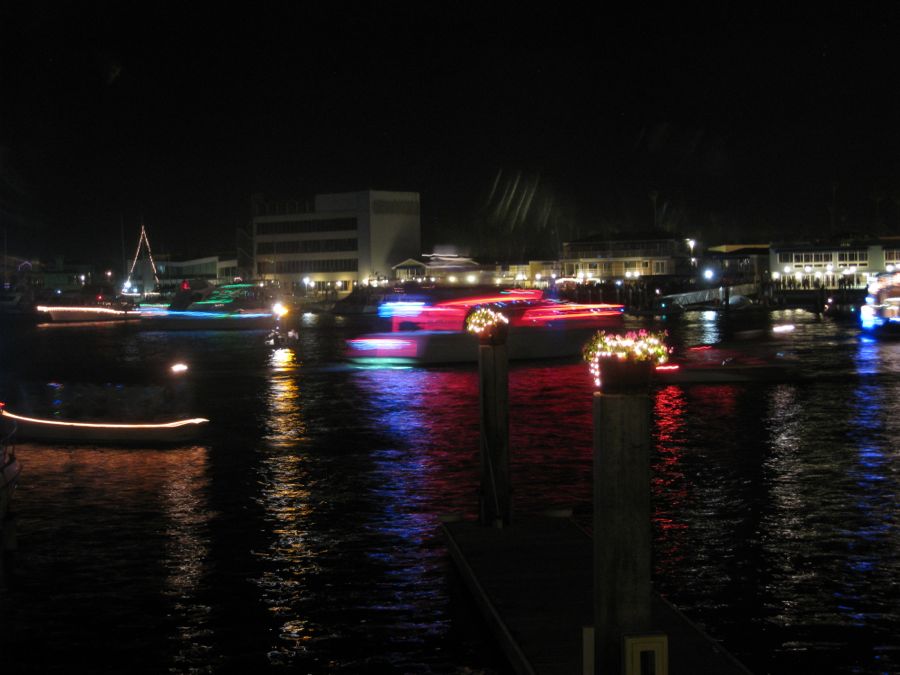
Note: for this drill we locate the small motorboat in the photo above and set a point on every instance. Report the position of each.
(144, 433)
(711, 364)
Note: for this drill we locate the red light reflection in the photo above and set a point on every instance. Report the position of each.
(669, 487)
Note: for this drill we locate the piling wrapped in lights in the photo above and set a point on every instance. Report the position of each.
(635, 352)
(489, 325)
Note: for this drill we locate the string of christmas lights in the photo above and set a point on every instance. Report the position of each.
(631, 347)
(484, 320)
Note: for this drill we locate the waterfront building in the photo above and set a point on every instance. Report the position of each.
(336, 243)
(444, 268)
(840, 262)
(640, 255)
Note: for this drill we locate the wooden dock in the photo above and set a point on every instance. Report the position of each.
(533, 581)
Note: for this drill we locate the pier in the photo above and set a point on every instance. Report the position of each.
(533, 582)
(557, 599)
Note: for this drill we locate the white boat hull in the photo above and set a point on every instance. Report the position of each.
(447, 347)
(53, 314)
(164, 433)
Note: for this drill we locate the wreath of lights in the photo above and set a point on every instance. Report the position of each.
(632, 347)
(484, 320)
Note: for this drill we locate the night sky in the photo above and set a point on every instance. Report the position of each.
(747, 124)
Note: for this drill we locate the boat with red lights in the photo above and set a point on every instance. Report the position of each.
(432, 330)
(97, 432)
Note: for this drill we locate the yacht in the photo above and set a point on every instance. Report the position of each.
(432, 330)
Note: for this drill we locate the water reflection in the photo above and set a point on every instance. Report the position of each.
(285, 497)
(710, 332)
(132, 506)
(830, 538)
(670, 486)
(186, 560)
(775, 508)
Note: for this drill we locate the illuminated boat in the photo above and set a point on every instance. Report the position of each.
(84, 313)
(433, 333)
(881, 313)
(60, 431)
(91, 304)
(228, 307)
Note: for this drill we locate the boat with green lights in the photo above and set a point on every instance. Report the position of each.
(238, 306)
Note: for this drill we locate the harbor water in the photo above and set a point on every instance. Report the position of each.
(302, 533)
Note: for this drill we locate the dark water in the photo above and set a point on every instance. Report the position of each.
(302, 535)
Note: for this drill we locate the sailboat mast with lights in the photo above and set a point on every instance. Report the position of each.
(143, 242)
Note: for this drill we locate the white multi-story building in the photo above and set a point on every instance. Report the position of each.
(345, 239)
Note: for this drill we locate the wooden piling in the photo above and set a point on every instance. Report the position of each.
(495, 499)
(622, 528)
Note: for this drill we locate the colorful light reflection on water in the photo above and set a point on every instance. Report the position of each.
(305, 535)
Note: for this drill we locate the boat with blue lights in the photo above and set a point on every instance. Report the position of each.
(431, 330)
(880, 315)
(239, 306)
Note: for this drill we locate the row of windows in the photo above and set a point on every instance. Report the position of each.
(304, 266)
(822, 257)
(624, 249)
(605, 268)
(892, 255)
(396, 206)
(306, 246)
(306, 226)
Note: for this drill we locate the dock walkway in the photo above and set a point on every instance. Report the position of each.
(533, 581)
